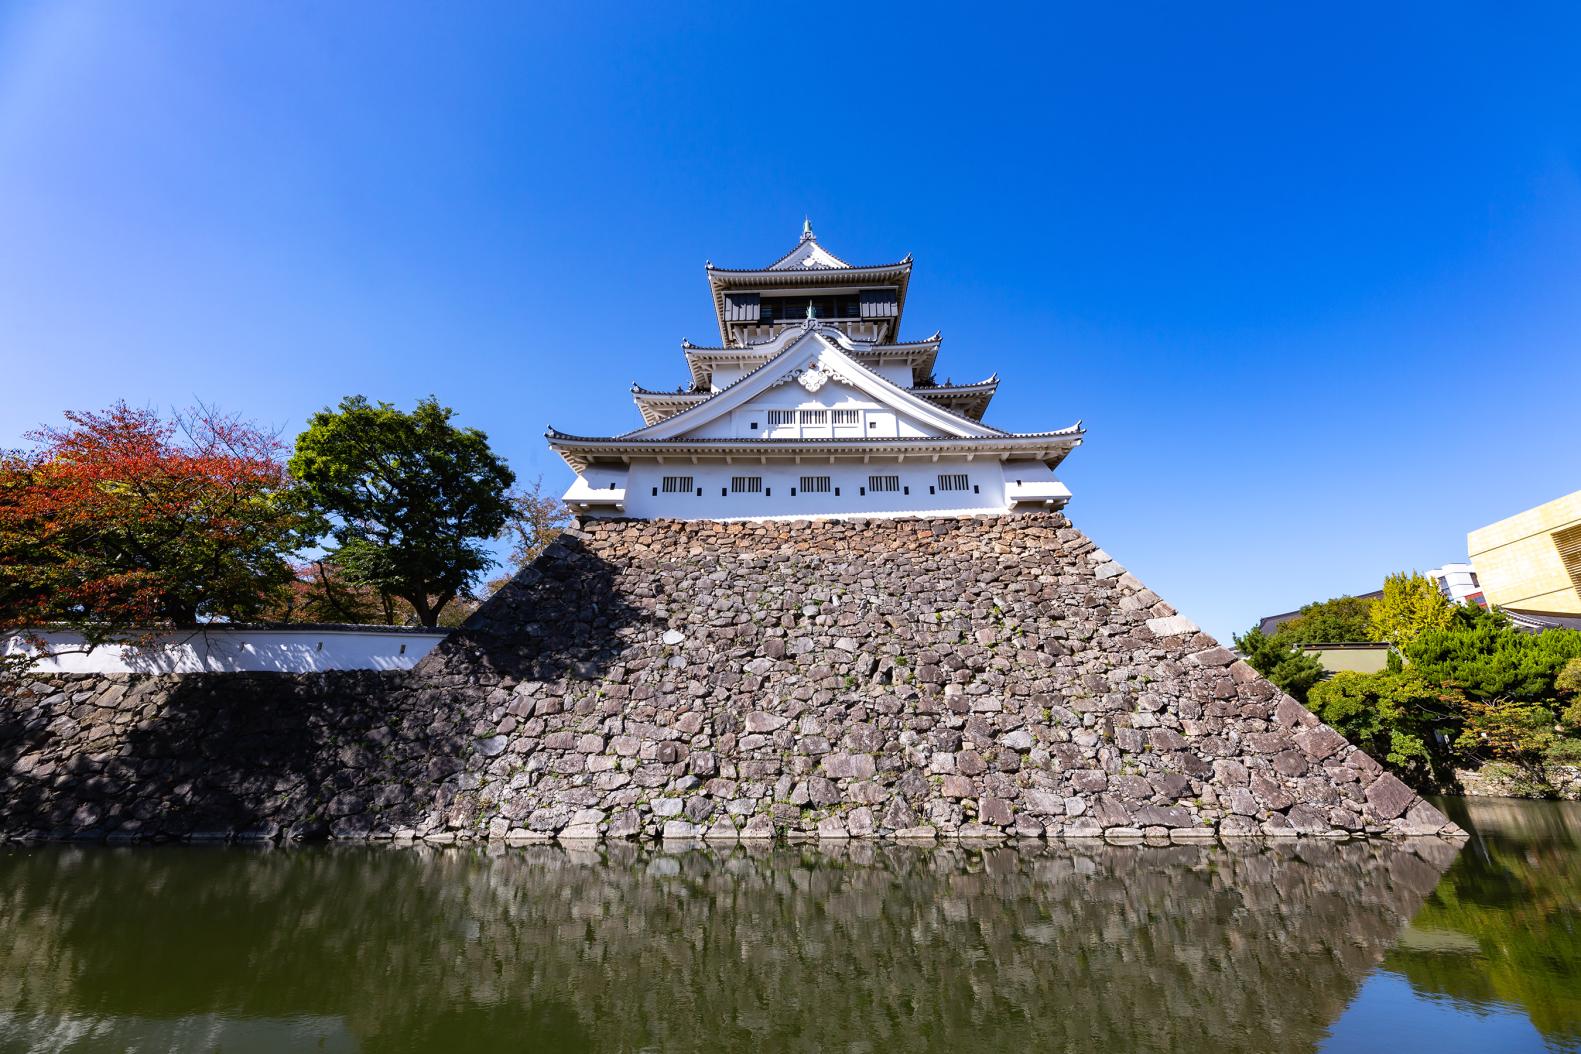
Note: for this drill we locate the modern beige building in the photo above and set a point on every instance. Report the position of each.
(1532, 561)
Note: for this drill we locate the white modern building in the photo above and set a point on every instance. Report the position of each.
(812, 405)
(1458, 583)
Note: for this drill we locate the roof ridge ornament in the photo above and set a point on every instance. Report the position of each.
(806, 229)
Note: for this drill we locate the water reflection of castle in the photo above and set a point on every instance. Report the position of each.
(1098, 947)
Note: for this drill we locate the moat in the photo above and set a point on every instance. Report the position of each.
(1303, 946)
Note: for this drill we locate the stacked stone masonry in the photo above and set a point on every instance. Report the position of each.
(996, 677)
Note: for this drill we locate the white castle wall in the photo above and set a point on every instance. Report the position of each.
(985, 491)
(305, 649)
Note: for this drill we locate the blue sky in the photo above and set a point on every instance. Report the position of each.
(1309, 275)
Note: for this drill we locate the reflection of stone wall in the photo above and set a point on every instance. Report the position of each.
(981, 677)
(1174, 948)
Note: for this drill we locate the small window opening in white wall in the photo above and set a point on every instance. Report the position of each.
(746, 484)
(847, 417)
(677, 484)
(782, 417)
(954, 482)
(403, 649)
(320, 646)
(815, 484)
(815, 417)
(883, 484)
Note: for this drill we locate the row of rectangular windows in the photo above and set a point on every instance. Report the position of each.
(814, 417)
(814, 485)
(795, 307)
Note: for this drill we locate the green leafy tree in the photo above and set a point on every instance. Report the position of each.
(1294, 672)
(1341, 620)
(1484, 655)
(1473, 692)
(410, 498)
(1518, 732)
(1399, 718)
(1410, 606)
(1568, 685)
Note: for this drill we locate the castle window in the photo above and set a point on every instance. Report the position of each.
(815, 417)
(958, 482)
(883, 484)
(794, 308)
(815, 484)
(782, 417)
(677, 484)
(846, 417)
(746, 484)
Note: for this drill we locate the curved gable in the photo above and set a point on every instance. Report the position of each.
(811, 360)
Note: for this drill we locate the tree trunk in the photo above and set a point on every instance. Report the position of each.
(427, 614)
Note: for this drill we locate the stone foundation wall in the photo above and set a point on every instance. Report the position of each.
(985, 678)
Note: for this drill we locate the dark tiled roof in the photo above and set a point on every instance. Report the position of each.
(1541, 620)
(769, 270)
(894, 345)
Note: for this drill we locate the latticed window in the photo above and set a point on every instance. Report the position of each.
(677, 484)
(955, 482)
(847, 417)
(815, 484)
(815, 417)
(782, 417)
(1568, 542)
(746, 484)
(791, 308)
(883, 484)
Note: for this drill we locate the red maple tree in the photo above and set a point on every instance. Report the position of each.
(122, 519)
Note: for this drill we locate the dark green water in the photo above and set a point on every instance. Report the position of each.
(1292, 948)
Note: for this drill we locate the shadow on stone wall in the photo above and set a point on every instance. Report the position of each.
(563, 617)
(1182, 948)
(260, 754)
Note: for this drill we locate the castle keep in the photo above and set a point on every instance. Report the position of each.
(812, 406)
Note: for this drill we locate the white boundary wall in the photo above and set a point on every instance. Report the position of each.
(298, 649)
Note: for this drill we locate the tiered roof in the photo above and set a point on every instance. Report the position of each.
(807, 267)
(968, 400)
(918, 354)
(674, 422)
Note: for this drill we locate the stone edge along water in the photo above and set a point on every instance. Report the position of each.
(981, 679)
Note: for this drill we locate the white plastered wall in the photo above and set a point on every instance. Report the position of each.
(920, 493)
